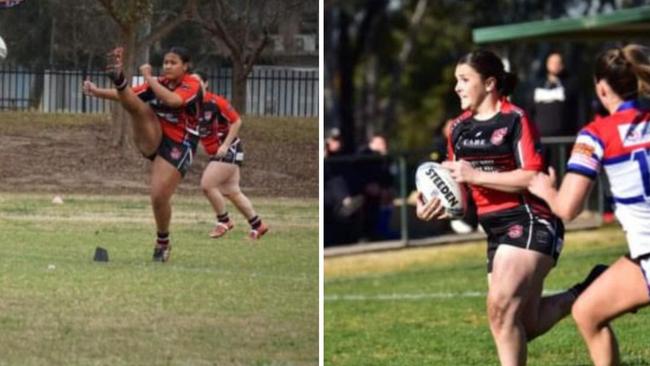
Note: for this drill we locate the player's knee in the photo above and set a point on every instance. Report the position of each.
(582, 314)
(147, 147)
(232, 194)
(159, 198)
(205, 186)
(501, 310)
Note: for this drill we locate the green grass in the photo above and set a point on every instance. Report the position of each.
(301, 129)
(391, 309)
(217, 302)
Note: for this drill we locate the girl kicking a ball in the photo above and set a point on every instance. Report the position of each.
(164, 112)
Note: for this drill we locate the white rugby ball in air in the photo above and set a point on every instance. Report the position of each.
(3, 49)
(432, 180)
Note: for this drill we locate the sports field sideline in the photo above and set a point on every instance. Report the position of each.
(426, 306)
(227, 301)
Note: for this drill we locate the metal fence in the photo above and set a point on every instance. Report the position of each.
(389, 225)
(271, 91)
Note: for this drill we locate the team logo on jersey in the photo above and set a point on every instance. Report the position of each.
(175, 153)
(583, 149)
(515, 231)
(634, 134)
(498, 135)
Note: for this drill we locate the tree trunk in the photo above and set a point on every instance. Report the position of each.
(239, 87)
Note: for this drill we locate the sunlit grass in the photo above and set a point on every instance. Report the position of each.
(218, 302)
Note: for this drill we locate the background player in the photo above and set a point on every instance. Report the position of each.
(164, 112)
(620, 144)
(220, 126)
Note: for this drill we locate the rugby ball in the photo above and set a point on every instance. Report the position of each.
(9, 3)
(3, 49)
(432, 180)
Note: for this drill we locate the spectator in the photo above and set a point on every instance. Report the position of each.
(377, 189)
(555, 108)
(341, 202)
(333, 143)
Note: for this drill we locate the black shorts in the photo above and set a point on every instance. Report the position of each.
(179, 155)
(519, 228)
(235, 154)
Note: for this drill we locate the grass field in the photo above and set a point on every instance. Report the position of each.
(217, 302)
(427, 307)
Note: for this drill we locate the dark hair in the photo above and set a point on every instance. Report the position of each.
(488, 64)
(202, 74)
(626, 70)
(182, 53)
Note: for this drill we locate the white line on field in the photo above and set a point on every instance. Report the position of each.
(414, 297)
(109, 218)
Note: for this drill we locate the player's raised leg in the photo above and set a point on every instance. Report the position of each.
(147, 132)
(543, 313)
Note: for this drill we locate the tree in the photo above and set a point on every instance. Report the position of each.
(74, 42)
(348, 41)
(389, 66)
(241, 30)
(26, 30)
(137, 33)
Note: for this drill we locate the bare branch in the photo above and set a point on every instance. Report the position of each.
(218, 29)
(256, 53)
(165, 26)
(112, 12)
(247, 21)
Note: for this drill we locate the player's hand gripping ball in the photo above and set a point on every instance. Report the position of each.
(432, 180)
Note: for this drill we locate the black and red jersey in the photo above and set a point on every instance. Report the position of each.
(217, 116)
(507, 141)
(177, 123)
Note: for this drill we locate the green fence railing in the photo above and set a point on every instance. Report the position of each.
(379, 191)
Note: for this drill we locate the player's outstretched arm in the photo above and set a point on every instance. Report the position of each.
(89, 88)
(568, 202)
(233, 132)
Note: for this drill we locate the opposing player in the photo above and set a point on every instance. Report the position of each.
(219, 131)
(620, 144)
(494, 149)
(164, 112)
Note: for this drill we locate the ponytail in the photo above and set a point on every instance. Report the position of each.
(507, 83)
(637, 57)
(626, 70)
